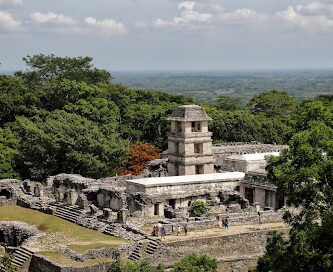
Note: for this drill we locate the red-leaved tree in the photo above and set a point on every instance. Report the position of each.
(139, 155)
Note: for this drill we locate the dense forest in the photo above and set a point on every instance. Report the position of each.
(205, 87)
(64, 115)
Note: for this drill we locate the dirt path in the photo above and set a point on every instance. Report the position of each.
(218, 231)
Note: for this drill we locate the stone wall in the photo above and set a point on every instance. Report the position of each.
(231, 251)
(41, 264)
(16, 234)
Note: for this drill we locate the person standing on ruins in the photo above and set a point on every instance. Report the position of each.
(259, 218)
(226, 223)
(185, 230)
(178, 231)
(163, 233)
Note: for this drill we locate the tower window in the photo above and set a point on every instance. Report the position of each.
(198, 148)
(177, 148)
(196, 126)
(198, 169)
(179, 127)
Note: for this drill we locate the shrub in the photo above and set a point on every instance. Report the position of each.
(199, 208)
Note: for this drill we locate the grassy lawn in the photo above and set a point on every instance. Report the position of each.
(77, 238)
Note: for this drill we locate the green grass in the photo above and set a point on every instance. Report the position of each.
(82, 238)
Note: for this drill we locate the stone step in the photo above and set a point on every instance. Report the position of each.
(66, 213)
(59, 213)
(66, 218)
(151, 252)
(134, 257)
(20, 255)
(68, 210)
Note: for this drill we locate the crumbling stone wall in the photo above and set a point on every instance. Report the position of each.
(220, 247)
(41, 264)
(16, 234)
(10, 189)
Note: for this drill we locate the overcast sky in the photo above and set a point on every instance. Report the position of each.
(170, 34)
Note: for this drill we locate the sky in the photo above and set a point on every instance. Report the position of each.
(170, 34)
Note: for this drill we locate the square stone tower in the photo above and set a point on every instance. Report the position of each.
(189, 142)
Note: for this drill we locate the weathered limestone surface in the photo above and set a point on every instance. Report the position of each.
(41, 264)
(237, 248)
(18, 233)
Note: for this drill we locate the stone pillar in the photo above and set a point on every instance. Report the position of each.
(100, 200)
(73, 196)
(38, 190)
(177, 204)
(122, 216)
(107, 214)
(161, 209)
(83, 202)
(259, 197)
(242, 191)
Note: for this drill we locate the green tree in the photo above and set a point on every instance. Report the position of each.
(304, 175)
(199, 208)
(42, 68)
(12, 92)
(195, 263)
(229, 103)
(8, 154)
(64, 142)
(273, 103)
(6, 261)
(143, 266)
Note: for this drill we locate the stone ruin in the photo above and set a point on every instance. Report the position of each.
(230, 178)
(168, 186)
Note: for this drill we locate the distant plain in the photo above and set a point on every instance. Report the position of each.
(206, 86)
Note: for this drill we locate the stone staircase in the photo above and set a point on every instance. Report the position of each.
(110, 230)
(136, 254)
(153, 245)
(67, 212)
(22, 256)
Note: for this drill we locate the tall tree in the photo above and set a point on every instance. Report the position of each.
(43, 68)
(273, 103)
(61, 142)
(304, 175)
(8, 154)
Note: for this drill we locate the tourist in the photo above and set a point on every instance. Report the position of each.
(185, 230)
(178, 231)
(163, 233)
(157, 231)
(226, 223)
(223, 223)
(259, 217)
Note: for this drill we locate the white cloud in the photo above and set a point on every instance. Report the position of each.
(315, 17)
(243, 16)
(108, 27)
(187, 15)
(8, 23)
(11, 3)
(53, 18)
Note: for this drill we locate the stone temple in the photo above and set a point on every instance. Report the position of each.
(230, 178)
